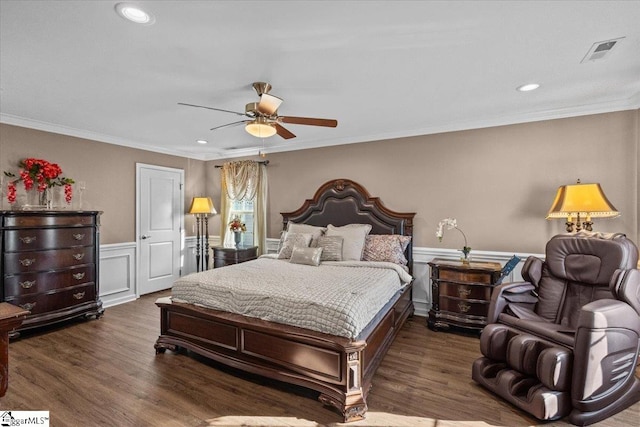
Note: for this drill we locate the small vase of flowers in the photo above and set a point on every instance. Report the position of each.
(41, 176)
(450, 224)
(237, 227)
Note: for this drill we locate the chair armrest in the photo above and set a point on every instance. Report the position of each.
(502, 293)
(609, 314)
(605, 353)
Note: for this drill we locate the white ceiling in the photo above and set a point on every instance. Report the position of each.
(383, 69)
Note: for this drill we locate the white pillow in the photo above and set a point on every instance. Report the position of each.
(353, 236)
(315, 231)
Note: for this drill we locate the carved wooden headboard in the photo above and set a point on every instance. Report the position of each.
(342, 201)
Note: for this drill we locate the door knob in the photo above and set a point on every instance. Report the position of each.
(145, 236)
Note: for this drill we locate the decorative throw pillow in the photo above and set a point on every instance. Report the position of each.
(307, 256)
(293, 239)
(315, 231)
(353, 239)
(386, 247)
(331, 248)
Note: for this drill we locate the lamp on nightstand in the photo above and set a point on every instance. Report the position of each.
(202, 207)
(581, 201)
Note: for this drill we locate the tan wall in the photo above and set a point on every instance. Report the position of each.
(108, 170)
(498, 182)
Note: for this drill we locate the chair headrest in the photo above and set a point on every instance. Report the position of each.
(590, 258)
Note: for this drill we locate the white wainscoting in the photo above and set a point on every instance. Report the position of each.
(118, 269)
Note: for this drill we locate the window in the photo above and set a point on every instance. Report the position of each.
(244, 210)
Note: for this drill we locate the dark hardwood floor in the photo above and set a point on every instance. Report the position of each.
(105, 373)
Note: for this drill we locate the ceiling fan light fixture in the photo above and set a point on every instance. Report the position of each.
(260, 128)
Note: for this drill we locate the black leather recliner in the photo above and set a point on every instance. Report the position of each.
(566, 341)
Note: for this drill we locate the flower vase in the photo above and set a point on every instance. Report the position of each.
(466, 256)
(45, 198)
(35, 200)
(237, 238)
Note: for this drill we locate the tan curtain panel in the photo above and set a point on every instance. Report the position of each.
(245, 180)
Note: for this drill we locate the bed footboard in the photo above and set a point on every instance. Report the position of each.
(338, 368)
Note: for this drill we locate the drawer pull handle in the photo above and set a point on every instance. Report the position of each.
(464, 292)
(78, 257)
(28, 306)
(27, 262)
(78, 276)
(79, 295)
(28, 239)
(463, 307)
(27, 284)
(78, 236)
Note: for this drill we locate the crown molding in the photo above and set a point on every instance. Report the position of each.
(630, 103)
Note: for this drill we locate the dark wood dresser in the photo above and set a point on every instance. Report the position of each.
(461, 294)
(49, 264)
(227, 256)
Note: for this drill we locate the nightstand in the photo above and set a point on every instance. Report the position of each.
(461, 294)
(227, 256)
(11, 317)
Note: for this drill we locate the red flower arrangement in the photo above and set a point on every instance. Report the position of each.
(41, 174)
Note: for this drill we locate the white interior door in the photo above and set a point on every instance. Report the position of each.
(159, 230)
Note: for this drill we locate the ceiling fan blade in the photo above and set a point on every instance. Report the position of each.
(230, 124)
(211, 108)
(286, 134)
(331, 123)
(268, 104)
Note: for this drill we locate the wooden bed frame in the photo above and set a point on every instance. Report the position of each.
(340, 369)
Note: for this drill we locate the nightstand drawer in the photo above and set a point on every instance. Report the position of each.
(465, 291)
(465, 276)
(463, 306)
(50, 238)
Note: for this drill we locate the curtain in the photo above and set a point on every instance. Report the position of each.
(245, 180)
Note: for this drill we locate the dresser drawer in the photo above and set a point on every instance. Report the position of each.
(54, 259)
(47, 220)
(48, 238)
(465, 291)
(43, 303)
(462, 306)
(33, 283)
(464, 276)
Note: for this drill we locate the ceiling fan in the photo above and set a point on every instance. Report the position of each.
(263, 120)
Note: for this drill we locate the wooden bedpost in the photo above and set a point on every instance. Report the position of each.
(352, 403)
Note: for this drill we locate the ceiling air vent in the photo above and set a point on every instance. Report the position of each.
(599, 50)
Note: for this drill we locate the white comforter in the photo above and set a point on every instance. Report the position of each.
(337, 298)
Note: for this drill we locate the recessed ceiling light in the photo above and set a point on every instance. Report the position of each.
(202, 141)
(528, 87)
(134, 13)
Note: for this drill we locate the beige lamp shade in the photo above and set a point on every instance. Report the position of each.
(581, 199)
(202, 205)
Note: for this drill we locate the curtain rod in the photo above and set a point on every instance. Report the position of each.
(266, 162)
